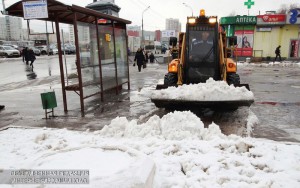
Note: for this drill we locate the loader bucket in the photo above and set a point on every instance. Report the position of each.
(241, 85)
(162, 86)
(173, 104)
(197, 105)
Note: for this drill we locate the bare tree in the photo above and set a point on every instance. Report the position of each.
(285, 8)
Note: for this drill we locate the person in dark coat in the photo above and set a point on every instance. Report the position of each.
(139, 58)
(151, 57)
(277, 52)
(146, 57)
(31, 57)
(25, 55)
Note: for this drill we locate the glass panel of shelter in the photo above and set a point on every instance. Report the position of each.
(88, 58)
(107, 56)
(121, 55)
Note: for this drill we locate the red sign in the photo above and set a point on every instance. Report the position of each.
(102, 21)
(271, 19)
(296, 48)
(133, 33)
(243, 53)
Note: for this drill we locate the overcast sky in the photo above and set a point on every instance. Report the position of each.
(154, 18)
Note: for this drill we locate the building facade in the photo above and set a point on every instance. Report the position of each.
(258, 36)
(173, 24)
(11, 28)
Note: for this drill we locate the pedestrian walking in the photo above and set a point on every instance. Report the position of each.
(25, 55)
(139, 58)
(277, 52)
(146, 59)
(151, 57)
(31, 57)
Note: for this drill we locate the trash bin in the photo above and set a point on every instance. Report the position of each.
(49, 100)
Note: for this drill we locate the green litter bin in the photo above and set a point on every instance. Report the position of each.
(49, 100)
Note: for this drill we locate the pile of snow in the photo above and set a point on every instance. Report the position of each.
(172, 126)
(271, 64)
(210, 91)
(177, 151)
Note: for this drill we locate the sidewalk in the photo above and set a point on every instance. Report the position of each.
(23, 105)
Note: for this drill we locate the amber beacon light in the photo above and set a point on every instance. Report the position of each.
(202, 12)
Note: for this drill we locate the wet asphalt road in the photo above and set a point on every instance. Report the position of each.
(276, 89)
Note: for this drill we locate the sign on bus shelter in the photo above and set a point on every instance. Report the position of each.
(35, 9)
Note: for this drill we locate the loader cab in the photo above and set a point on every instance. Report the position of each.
(201, 54)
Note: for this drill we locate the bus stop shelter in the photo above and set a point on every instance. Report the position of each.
(101, 49)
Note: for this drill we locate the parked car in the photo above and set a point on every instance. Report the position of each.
(36, 51)
(54, 50)
(19, 48)
(8, 51)
(43, 50)
(68, 49)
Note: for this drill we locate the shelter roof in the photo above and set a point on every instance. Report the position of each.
(65, 13)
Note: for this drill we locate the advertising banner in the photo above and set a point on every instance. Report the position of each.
(244, 45)
(168, 33)
(272, 19)
(35, 9)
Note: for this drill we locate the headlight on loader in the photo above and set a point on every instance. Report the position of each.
(231, 65)
(172, 68)
(192, 20)
(212, 20)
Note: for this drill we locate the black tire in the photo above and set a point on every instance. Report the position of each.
(170, 79)
(6, 55)
(233, 78)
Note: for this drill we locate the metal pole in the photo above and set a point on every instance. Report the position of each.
(186, 5)
(3, 12)
(47, 36)
(78, 64)
(99, 57)
(143, 41)
(61, 66)
(142, 31)
(63, 40)
(28, 30)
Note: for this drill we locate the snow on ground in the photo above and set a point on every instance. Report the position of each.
(174, 151)
(269, 64)
(210, 91)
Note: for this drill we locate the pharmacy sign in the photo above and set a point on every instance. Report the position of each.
(249, 3)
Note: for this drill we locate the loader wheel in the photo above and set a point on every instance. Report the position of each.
(170, 79)
(233, 78)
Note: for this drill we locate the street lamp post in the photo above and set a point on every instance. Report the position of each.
(186, 5)
(3, 12)
(143, 41)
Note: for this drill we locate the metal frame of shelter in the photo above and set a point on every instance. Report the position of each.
(107, 52)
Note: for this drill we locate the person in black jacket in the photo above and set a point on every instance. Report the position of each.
(31, 57)
(25, 55)
(151, 57)
(139, 58)
(277, 52)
